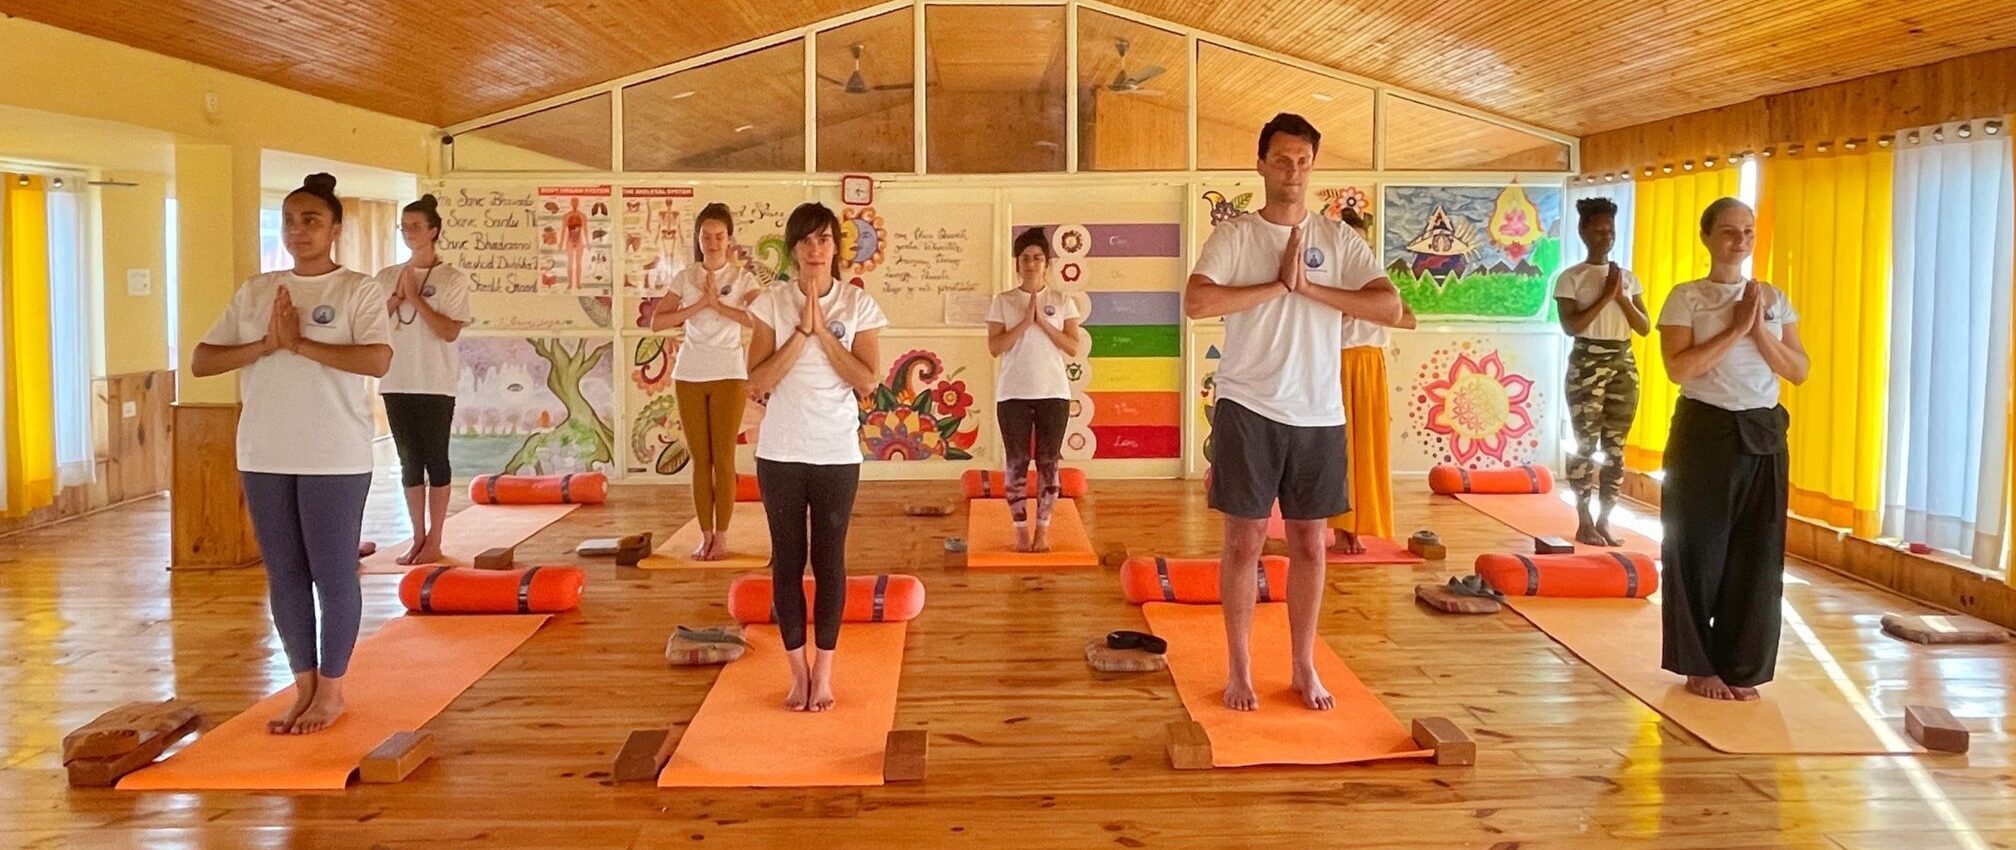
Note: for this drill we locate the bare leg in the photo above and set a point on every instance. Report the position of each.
(416, 513)
(1237, 589)
(304, 693)
(801, 679)
(821, 680)
(324, 710)
(437, 515)
(1305, 606)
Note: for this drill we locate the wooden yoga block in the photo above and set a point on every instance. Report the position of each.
(126, 728)
(1189, 748)
(1451, 746)
(1428, 551)
(1108, 660)
(632, 550)
(397, 758)
(598, 547)
(1942, 628)
(1113, 555)
(905, 755)
(1936, 728)
(1552, 546)
(927, 509)
(500, 558)
(1440, 598)
(104, 772)
(643, 755)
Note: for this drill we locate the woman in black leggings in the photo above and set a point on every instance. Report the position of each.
(428, 305)
(1034, 330)
(814, 350)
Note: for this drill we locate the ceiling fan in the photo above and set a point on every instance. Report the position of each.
(855, 83)
(1125, 83)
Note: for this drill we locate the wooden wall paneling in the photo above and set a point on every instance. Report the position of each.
(210, 525)
(134, 461)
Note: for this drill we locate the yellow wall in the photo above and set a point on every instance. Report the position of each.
(134, 221)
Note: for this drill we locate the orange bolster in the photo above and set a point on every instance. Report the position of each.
(884, 598)
(746, 489)
(577, 488)
(1195, 580)
(466, 590)
(1450, 480)
(991, 484)
(1596, 575)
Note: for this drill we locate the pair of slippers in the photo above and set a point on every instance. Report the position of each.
(712, 634)
(1127, 639)
(1474, 585)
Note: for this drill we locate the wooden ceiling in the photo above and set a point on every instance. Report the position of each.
(1577, 66)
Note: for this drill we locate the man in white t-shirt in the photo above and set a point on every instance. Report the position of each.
(1281, 277)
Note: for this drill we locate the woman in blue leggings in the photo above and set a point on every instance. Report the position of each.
(303, 342)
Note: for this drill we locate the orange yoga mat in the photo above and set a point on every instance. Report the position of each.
(990, 537)
(1800, 713)
(471, 531)
(748, 545)
(744, 737)
(1378, 550)
(399, 678)
(1283, 731)
(1546, 515)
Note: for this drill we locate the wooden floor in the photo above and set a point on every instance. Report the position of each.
(1028, 747)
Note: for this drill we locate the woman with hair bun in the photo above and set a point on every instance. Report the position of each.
(428, 307)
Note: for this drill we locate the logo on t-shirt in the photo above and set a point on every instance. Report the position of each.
(323, 315)
(724, 289)
(837, 328)
(1050, 311)
(1312, 257)
(427, 291)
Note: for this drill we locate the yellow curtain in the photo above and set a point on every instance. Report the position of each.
(369, 228)
(27, 402)
(1823, 236)
(1666, 252)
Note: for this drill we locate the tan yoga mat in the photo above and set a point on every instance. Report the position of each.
(399, 678)
(990, 538)
(1283, 731)
(1799, 714)
(748, 545)
(744, 737)
(1547, 515)
(472, 531)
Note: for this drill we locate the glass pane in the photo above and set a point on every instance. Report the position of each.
(569, 137)
(744, 113)
(867, 95)
(1420, 137)
(995, 77)
(1133, 96)
(1238, 93)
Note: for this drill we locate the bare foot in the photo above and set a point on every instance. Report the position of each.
(801, 682)
(324, 710)
(1314, 695)
(1587, 534)
(1711, 687)
(1746, 694)
(718, 550)
(412, 554)
(1348, 543)
(1610, 538)
(1040, 541)
(705, 550)
(1239, 695)
(822, 682)
(304, 693)
(1021, 538)
(366, 549)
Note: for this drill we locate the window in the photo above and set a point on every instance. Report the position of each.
(70, 332)
(996, 104)
(1420, 137)
(745, 113)
(1238, 93)
(569, 137)
(866, 93)
(1133, 96)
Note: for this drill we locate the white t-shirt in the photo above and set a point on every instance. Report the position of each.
(712, 350)
(1359, 333)
(1743, 380)
(1281, 358)
(1583, 284)
(423, 362)
(812, 415)
(300, 417)
(1032, 368)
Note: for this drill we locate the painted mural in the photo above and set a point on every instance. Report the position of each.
(1482, 252)
(534, 406)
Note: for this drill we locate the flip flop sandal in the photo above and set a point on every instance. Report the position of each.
(1474, 585)
(1127, 639)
